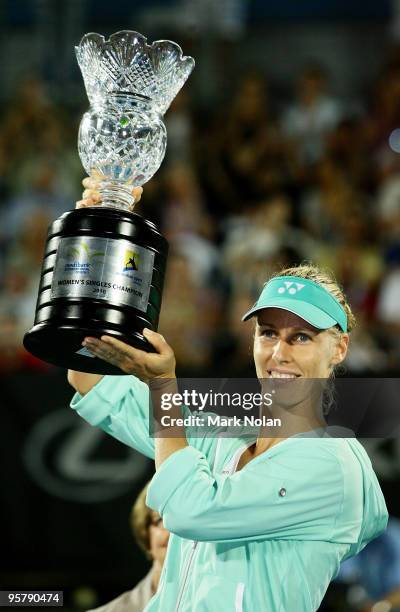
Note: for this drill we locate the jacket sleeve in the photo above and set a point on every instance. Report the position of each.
(296, 493)
(119, 405)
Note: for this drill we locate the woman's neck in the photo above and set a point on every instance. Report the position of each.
(288, 422)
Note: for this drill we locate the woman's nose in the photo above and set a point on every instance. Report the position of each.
(281, 352)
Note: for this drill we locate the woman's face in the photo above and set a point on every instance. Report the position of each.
(287, 346)
(158, 537)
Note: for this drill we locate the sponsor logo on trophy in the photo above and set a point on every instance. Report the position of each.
(104, 266)
(131, 261)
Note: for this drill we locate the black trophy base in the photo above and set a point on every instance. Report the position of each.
(102, 274)
(61, 345)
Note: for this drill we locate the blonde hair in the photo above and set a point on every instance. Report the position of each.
(140, 521)
(324, 278)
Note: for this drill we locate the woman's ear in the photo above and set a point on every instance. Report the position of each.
(341, 345)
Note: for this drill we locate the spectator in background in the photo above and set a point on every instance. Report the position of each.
(236, 341)
(388, 311)
(39, 157)
(366, 356)
(152, 537)
(346, 144)
(189, 313)
(12, 353)
(383, 116)
(22, 267)
(19, 284)
(29, 115)
(179, 126)
(183, 211)
(326, 205)
(258, 235)
(356, 258)
(246, 156)
(313, 114)
(383, 145)
(388, 208)
(34, 135)
(39, 200)
(374, 574)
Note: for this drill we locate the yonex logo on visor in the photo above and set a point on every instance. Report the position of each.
(289, 288)
(304, 297)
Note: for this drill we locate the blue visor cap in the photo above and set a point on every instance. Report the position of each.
(303, 297)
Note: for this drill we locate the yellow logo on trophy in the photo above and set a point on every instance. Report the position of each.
(131, 261)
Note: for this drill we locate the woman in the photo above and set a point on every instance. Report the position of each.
(259, 524)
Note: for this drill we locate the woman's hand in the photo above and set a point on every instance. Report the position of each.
(91, 195)
(130, 360)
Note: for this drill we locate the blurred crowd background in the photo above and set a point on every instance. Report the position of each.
(283, 146)
(265, 167)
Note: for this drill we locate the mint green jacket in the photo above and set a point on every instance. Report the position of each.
(269, 537)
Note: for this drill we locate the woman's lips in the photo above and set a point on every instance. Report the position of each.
(281, 378)
(282, 374)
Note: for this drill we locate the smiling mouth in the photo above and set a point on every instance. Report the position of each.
(282, 375)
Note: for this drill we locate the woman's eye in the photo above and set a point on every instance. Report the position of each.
(301, 338)
(268, 333)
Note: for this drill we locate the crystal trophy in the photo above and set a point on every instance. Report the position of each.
(104, 266)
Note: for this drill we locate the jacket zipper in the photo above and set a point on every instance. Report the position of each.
(239, 597)
(194, 546)
(188, 564)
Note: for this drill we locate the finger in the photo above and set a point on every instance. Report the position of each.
(95, 344)
(97, 175)
(105, 352)
(83, 203)
(125, 357)
(137, 193)
(87, 202)
(91, 183)
(115, 360)
(126, 349)
(91, 193)
(158, 341)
